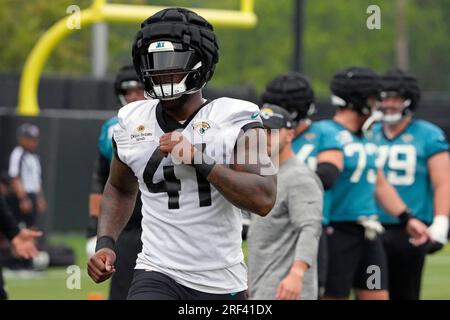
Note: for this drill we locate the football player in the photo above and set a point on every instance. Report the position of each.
(355, 250)
(414, 156)
(195, 162)
(127, 88)
(315, 143)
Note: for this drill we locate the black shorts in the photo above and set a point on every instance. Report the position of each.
(152, 285)
(353, 261)
(405, 263)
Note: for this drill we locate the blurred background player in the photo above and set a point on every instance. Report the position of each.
(315, 143)
(26, 177)
(282, 247)
(414, 156)
(353, 239)
(127, 88)
(22, 240)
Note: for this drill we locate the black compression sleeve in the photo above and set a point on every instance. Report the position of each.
(328, 174)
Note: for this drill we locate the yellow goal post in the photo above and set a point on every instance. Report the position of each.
(101, 11)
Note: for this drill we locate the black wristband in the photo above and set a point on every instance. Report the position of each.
(105, 242)
(205, 166)
(405, 216)
(91, 230)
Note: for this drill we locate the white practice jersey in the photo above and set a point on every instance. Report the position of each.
(190, 231)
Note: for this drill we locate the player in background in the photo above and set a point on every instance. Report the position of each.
(127, 88)
(189, 158)
(282, 247)
(414, 156)
(25, 175)
(315, 143)
(355, 249)
(22, 240)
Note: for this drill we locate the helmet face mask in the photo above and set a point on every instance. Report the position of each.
(400, 95)
(394, 107)
(170, 71)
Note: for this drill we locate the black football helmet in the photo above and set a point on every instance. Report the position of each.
(293, 92)
(399, 83)
(126, 79)
(175, 42)
(351, 88)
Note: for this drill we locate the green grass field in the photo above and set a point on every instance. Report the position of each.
(51, 284)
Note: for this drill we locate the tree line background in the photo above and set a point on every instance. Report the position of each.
(335, 37)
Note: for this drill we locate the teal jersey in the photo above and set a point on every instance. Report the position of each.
(404, 160)
(353, 194)
(105, 139)
(319, 136)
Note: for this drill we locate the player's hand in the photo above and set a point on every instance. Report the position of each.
(290, 287)
(101, 265)
(418, 231)
(25, 205)
(178, 146)
(23, 245)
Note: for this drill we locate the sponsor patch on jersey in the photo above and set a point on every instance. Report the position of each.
(407, 137)
(201, 127)
(141, 134)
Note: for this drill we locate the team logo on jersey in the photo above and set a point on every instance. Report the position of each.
(344, 137)
(407, 137)
(201, 127)
(310, 136)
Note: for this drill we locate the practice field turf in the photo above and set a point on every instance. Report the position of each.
(51, 284)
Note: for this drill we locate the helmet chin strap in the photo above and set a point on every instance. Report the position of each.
(375, 117)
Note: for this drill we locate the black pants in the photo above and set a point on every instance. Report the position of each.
(128, 246)
(152, 285)
(352, 259)
(405, 264)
